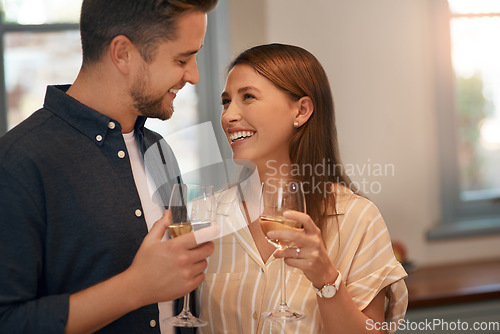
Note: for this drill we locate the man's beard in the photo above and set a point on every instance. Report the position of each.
(148, 105)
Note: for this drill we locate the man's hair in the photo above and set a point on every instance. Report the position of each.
(144, 22)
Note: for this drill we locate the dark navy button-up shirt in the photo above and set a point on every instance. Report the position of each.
(68, 219)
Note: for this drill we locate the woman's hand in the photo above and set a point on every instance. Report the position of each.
(310, 255)
(314, 261)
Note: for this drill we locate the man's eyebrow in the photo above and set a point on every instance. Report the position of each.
(189, 53)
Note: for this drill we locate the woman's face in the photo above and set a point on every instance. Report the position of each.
(257, 118)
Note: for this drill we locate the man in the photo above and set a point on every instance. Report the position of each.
(75, 252)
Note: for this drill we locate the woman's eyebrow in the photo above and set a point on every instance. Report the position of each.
(247, 88)
(241, 90)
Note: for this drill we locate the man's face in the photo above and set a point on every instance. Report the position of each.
(157, 83)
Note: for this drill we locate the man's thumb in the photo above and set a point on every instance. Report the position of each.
(161, 225)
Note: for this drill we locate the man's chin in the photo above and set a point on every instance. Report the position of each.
(163, 116)
(167, 115)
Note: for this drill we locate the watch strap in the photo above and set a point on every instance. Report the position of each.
(336, 285)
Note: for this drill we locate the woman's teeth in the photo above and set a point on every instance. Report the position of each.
(240, 135)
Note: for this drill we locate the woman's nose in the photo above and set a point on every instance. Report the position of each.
(231, 114)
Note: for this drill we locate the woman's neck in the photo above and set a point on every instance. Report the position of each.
(274, 170)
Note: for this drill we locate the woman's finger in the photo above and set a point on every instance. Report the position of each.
(292, 253)
(303, 218)
(299, 238)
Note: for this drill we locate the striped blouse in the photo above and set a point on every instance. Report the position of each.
(239, 286)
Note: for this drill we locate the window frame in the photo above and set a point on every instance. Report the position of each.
(213, 62)
(459, 218)
(6, 28)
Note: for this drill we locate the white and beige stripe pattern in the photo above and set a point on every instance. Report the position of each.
(239, 286)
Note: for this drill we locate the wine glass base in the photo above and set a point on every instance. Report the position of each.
(186, 319)
(281, 315)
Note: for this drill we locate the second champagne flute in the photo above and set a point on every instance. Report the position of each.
(276, 198)
(193, 208)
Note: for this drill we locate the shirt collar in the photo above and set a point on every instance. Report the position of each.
(88, 121)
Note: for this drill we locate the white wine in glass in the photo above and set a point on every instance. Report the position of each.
(270, 223)
(277, 197)
(176, 230)
(193, 208)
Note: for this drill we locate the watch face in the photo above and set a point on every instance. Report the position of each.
(328, 291)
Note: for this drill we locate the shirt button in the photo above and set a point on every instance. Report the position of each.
(254, 316)
(138, 213)
(152, 323)
(121, 154)
(98, 137)
(111, 125)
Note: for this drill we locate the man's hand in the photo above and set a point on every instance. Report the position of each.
(167, 270)
(161, 271)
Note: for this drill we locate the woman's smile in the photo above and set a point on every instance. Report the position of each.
(240, 136)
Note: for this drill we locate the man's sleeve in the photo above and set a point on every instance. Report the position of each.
(22, 272)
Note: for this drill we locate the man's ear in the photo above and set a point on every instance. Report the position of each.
(122, 52)
(306, 109)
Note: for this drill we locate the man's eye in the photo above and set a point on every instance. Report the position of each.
(182, 62)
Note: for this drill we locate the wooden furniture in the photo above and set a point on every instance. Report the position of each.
(453, 284)
(441, 298)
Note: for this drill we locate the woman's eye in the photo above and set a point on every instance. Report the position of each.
(248, 96)
(225, 102)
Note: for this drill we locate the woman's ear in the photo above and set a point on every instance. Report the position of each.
(306, 108)
(121, 51)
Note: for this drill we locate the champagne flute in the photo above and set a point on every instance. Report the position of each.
(276, 198)
(193, 208)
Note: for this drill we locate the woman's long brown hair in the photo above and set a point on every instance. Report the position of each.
(298, 73)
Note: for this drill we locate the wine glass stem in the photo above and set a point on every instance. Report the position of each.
(185, 308)
(283, 304)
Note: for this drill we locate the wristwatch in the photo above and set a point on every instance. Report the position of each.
(329, 290)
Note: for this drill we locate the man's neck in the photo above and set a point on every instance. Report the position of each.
(103, 95)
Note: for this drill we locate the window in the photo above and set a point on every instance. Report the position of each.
(40, 46)
(468, 93)
(31, 35)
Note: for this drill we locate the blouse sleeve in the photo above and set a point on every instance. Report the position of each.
(371, 264)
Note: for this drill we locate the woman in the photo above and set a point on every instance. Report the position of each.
(278, 113)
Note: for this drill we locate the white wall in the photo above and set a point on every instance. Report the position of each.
(378, 57)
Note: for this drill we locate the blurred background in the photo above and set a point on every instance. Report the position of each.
(416, 85)
(417, 95)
